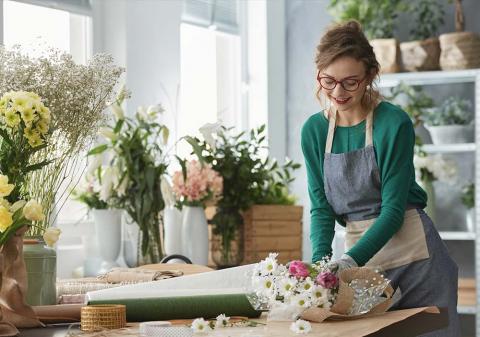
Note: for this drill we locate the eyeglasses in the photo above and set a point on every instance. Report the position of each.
(329, 83)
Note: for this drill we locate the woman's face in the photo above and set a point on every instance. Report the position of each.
(349, 72)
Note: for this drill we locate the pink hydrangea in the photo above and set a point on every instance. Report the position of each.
(327, 280)
(202, 185)
(298, 269)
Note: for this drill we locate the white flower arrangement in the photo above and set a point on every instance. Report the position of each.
(434, 167)
(287, 292)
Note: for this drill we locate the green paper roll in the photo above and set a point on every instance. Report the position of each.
(184, 307)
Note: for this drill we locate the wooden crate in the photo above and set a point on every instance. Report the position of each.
(273, 228)
(466, 292)
(268, 229)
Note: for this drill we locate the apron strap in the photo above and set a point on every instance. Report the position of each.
(332, 120)
(369, 129)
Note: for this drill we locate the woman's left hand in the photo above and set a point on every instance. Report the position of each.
(345, 262)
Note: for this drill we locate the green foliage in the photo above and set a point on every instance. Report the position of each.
(428, 16)
(247, 178)
(89, 198)
(468, 195)
(412, 99)
(378, 18)
(453, 110)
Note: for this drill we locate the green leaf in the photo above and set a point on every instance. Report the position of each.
(38, 166)
(97, 150)
(118, 126)
(196, 148)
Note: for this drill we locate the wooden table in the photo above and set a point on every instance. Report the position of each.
(409, 327)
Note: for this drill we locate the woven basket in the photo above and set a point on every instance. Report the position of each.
(459, 51)
(387, 52)
(103, 317)
(420, 55)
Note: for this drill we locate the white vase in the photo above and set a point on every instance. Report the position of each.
(195, 235)
(470, 220)
(130, 237)
(451, 134)
(172, 223)
(108, 230)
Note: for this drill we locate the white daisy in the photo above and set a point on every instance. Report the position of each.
(301, 327)
(306, 285)
(269, 265)
(301, 301)
(200, 326)
(222, 321)
(319, 295)
(286, 286)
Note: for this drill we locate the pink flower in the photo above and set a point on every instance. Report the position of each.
(327, 280)
(298, 269)
(202, 185)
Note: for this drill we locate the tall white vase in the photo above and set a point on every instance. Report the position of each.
(172, 223)
(108, 230)
(195, 235)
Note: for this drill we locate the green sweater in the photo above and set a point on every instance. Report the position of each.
(393, 139)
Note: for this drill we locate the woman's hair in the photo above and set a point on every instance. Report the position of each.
(347, 39)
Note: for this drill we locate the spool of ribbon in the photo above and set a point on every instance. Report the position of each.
(164, 329)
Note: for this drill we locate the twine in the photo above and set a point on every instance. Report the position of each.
(103, 316)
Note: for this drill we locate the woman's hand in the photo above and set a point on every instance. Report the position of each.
(345, 262)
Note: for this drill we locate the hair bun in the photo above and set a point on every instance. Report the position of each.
(354, 25)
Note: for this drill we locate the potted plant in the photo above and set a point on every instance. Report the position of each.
(429, 168)
(468, 200)
(378, 19)
(135, 147)
(423, 51)
(250, 177)
(451, 122)
(274, 222)
(195, 186)
(459, 50)
(414, 101)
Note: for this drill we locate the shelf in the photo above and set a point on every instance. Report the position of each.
(429, 77)
(457, 235)
(449, 148)
(470, 310)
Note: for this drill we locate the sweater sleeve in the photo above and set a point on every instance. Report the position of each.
(322, 220)
(395, 158)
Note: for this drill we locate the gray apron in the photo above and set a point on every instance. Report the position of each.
(415, 259)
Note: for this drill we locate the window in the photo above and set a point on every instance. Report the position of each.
(50, 27)
(210, 66)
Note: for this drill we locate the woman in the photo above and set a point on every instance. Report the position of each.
(359, 159)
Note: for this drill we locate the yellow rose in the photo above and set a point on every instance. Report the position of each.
(5, 219)
(5, 187)
(27, 114)
(35, 141)
(42, 126)
(5, 203)
(33, 211)
(51, 236)
(12, 119)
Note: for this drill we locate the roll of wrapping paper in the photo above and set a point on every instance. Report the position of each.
(188, 307)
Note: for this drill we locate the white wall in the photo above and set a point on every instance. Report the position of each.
(144, 37)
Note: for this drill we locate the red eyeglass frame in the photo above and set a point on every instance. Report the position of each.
(339, 82)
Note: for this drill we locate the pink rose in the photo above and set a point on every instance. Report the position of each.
(327, 280)
(298, 269)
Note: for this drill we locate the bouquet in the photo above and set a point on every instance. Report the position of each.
(75, 95)
(315, 291)
(24, 125)
(197, 184)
